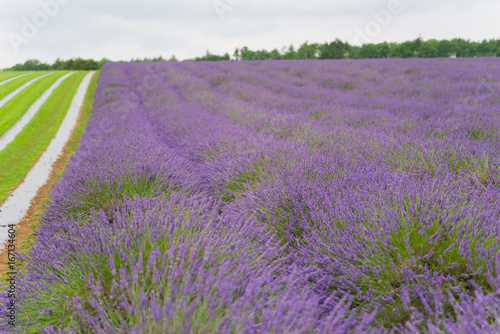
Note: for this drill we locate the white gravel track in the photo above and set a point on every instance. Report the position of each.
(11, 134)
(17, 204)
(20, 89)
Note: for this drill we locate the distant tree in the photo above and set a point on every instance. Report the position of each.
(261, 55)
(334, 50)
(173, 59)
(354, 52)
(384, 49)
(31, 65)
(290, 53)
(68, 64)
(369, 51)
(444, 48)
(462, 47)
(236, 54)
(211, 57)
(80, 64)
(487, 48)
(308, 51)
(428, 49)
(474, 48)
(246, 53)
(415, 45)
(406, 50)
(395, 50)
(275, 55)
(57, 65)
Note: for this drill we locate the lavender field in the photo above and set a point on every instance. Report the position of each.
(277, 197)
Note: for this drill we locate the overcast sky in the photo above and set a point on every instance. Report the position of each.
(125, 29)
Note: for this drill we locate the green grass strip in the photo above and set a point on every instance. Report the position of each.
(20, 156)
(8, 75)
(9, 87)
(13, 110)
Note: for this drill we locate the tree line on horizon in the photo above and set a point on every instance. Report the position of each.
(75, 64)
(337, 49)
(417, 48)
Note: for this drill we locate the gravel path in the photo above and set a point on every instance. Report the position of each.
(18, 203)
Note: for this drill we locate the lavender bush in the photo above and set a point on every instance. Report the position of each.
(277, 197)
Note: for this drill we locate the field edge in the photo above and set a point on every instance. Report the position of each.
(26, 228)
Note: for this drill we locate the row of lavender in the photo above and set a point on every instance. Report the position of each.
(293, 196)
